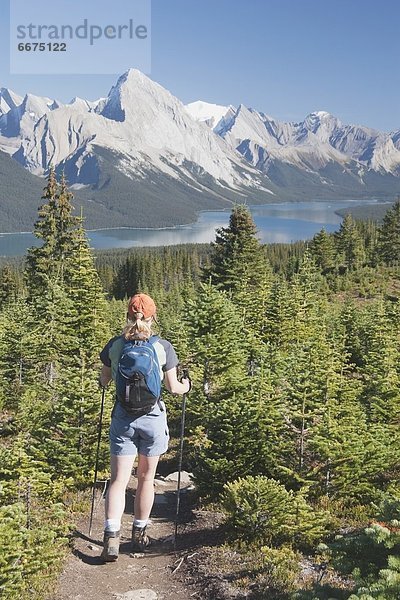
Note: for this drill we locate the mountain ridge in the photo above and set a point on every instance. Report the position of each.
(139, 157)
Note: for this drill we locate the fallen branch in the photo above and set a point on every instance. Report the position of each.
(179, 566)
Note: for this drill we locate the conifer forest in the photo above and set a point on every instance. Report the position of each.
(292, 427)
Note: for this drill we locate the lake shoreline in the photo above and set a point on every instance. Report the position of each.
(368, 201)
(277, 222)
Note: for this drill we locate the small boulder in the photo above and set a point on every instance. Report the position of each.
(186, 478)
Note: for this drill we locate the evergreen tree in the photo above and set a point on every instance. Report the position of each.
(349, 243)
(218, 359)
(55, 228)
(240, 268)
(380, 371)
(322, 248)
(69, 306)
(372, 556)
(8, 286)
(388, 248)
(261, 510)
(20, 346)
(279, 328)
(237, 259)
(76, 411)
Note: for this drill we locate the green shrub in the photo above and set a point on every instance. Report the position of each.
(372, 556)
(31, 549)
(280, 570)
(262, 511)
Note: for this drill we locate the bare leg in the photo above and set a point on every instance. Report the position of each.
(144, 497)
(121, 470)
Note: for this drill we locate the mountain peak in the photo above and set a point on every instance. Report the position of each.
(208, 113)
(322, 124)
(133, 78)
(320, 115)
(81, 104)
(8, 100)
(37, 104)
(128, 92)
(133, 74)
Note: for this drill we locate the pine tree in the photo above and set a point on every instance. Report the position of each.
(238, 259)
(215, 342)
(388, 247)
(8, 286)
(261, 510)
(380, 371)
(54, 228)
(20, 345)
(68, 302)
(322, 248)
(349, 243)
(372, 556)
(279, 328)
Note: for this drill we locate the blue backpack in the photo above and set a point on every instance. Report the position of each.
(138, 380)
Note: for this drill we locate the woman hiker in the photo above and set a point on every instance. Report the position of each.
(145, 435)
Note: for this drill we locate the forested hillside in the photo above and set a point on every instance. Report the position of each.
(293, 419)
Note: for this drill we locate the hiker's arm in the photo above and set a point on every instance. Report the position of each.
(173, 385)
(105, 375)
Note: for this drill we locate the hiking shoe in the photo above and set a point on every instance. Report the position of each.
(110, 546)
(140, 541)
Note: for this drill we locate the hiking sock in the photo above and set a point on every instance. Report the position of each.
(140, 523)
(112, 525)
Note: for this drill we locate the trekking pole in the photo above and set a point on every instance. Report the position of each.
(178, 488)
(103, 395)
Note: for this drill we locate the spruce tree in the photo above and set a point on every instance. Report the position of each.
(214, 333)
(322, 248)
(68, 302)
(380, 371)
(75, 414)
(388, 247)
(55, 228)
(8, 286)
(237, 258)
(21, 339)
(349, 244)
(279, 325)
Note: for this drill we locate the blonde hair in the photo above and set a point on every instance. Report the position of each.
(138, 328)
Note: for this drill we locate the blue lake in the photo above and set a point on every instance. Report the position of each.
(283, 222)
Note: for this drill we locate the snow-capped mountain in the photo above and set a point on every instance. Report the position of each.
(140, 157)
(319, 141)
(139, 120)
(141, 138)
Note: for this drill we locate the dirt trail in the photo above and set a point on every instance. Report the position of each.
(146, 576)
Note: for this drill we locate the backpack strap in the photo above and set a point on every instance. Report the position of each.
(152, 340)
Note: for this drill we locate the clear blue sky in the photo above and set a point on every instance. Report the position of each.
(284, 57)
